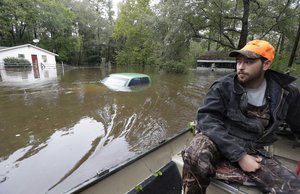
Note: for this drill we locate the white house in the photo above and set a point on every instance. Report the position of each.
(43, 63)
(216, 65)
(33, 54)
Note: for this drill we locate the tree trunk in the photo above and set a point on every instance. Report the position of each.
(209, 41)
(244, 31)
(280, 48)
(292, 57)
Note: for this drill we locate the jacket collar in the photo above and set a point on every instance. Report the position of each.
(282, 79)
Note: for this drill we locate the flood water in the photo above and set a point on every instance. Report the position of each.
(61, 129)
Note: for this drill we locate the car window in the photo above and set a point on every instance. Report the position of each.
(135, 82)
(139, 81)
(145, 80)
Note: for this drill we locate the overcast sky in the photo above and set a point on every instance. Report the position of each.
(116, 2)
(115, 5)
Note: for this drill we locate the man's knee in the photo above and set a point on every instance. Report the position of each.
(199, 156)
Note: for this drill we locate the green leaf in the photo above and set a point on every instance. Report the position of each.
(158, 173)
(192, 126)
(138, 187)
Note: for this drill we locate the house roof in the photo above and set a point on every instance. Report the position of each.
(215, 55)
(2, 49)
(215, 61)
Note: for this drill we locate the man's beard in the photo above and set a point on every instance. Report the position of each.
(247, 79)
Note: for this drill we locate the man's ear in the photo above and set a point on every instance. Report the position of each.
(267, 65)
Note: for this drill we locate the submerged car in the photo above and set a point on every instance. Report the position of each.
(126, 81)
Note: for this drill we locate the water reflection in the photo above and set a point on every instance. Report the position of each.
(57, 156)
(26, 75)
(55, 134)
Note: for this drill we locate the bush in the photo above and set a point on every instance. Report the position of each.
(174, 67)
(16, 62)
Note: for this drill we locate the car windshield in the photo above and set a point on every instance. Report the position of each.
(115, 81)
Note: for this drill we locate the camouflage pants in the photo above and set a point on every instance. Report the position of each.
(202, 160)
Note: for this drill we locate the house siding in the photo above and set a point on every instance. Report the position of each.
(28, 51)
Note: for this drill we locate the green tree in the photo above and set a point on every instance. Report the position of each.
(94, 25)
(84, 32)
(133, 30)
(224, 25)
(56, 31)
(47, 20)
(18, 19)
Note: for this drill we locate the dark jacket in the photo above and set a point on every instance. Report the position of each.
(222, 118)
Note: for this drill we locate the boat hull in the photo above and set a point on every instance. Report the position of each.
(159, 170)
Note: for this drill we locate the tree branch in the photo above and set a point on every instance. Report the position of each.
(233, 17)
(277, 19)
(215, 40)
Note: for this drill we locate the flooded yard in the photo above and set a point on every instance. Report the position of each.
(60, 130)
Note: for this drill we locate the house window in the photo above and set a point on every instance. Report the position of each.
(44, 58)
(21, 56)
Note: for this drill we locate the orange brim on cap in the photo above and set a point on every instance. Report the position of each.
(256, 49)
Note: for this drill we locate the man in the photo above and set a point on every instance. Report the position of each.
(239, 117)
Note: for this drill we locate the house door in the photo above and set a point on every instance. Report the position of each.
(35, 65)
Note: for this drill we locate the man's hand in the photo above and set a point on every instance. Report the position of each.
(250, 163)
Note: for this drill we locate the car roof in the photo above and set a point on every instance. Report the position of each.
(128, 75)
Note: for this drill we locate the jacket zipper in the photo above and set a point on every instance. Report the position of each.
(274, 115)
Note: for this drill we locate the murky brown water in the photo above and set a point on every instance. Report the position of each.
(59, 131)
